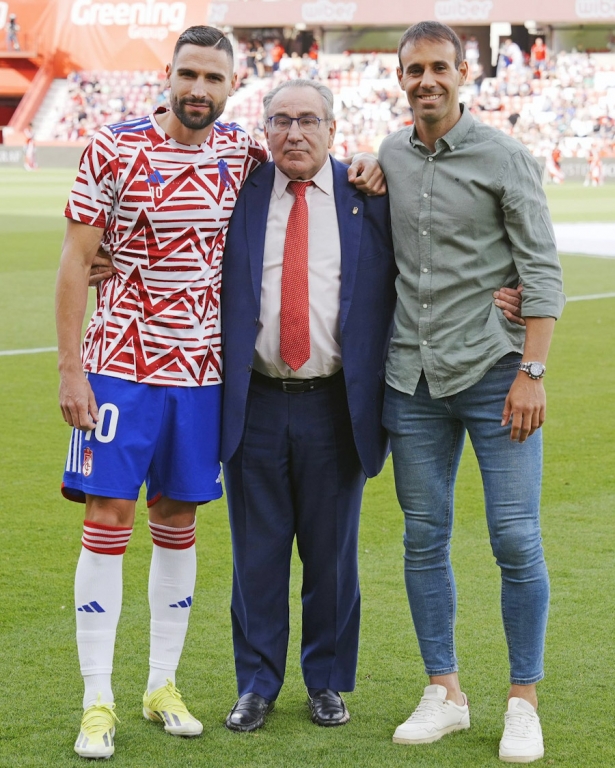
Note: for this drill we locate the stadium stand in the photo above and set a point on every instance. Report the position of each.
(570, 105)
(93, 99)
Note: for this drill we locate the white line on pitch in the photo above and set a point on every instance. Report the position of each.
(6, 352)
(591, 297)
(570, 252)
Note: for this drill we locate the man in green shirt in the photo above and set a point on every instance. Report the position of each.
(468, 215)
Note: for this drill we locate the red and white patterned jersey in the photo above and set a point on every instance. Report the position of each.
(165, 209)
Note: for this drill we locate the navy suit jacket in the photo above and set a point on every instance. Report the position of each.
(367, 302)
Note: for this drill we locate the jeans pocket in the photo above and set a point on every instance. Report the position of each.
(511, 360)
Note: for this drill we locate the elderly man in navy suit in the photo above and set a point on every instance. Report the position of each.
(307, 305)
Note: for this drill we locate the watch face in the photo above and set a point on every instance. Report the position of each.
(536, 369)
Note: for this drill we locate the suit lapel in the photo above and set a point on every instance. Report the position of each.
(349, 205)
(257, 209)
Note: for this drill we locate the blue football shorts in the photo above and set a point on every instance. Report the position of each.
(167, 437)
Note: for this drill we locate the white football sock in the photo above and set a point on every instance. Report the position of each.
(98, 602)
(171, 585)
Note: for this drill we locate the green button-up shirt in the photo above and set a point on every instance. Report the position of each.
(468, 219)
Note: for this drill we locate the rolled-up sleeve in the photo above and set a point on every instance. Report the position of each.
(528, 225)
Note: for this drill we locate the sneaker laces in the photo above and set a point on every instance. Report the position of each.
(425, 709)
(99, 718)
(520, 724)
(167, 696)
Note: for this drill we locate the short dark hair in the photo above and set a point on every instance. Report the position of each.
(206, 37)
(431, 30)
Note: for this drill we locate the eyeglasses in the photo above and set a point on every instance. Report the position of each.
(307, 123)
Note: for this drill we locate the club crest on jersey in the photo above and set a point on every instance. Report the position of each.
(88, 460)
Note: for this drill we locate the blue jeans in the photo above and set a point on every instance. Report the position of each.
(427, 438)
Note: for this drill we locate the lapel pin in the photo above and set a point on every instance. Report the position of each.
(355, 210)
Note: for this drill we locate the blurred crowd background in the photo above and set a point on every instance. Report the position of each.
(561, 105)
(557, 105)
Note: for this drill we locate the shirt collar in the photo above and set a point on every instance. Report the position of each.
(323, 180)
(455, 136)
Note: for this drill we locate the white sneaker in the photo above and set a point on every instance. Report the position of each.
(522, 739)
(434, 717)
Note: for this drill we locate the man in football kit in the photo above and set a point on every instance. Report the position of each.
(143, 397)
(156, 193)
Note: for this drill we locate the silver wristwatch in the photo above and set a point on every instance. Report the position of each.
(533, 370)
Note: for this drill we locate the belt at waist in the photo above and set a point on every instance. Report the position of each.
(296, 386)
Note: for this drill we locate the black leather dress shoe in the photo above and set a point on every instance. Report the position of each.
(249, 713)
(328, 708)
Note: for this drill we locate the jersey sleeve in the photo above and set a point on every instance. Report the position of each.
(93, 194)
(257, 155)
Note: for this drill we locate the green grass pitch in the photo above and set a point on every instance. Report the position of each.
(40, 694)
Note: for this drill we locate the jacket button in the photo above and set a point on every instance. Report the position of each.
(256, 321)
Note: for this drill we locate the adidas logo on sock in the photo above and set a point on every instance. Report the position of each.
(92, 607)
(182, 603)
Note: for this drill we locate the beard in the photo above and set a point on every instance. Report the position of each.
(199, 121)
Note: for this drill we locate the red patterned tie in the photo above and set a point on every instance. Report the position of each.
(295, 300)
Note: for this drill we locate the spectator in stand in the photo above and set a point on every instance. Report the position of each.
(472, 53)
(539, 55)
(277, 52)
(259, 59)
(12, 28)
(250, 60)
(295, 64)
(503, 60)
(313, 52)
(268, 60)
(286, 66)
(472, 50)
(310, 66)
(514, 54)
(242, 61)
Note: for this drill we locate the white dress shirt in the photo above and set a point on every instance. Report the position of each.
(324, 280)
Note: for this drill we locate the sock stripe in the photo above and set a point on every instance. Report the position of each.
(105, 539)
(173, 538)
